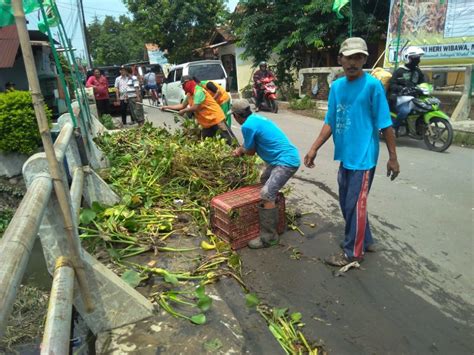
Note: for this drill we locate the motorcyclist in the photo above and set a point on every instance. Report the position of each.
(258, 77)
(404, 82)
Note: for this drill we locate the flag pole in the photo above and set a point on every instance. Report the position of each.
(399, 31)
(350, 21)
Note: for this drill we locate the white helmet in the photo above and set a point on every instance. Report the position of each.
(412, 51)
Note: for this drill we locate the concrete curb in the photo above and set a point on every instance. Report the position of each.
(463, 132)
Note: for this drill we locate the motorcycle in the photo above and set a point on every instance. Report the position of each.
(425, 121)
(269, 102)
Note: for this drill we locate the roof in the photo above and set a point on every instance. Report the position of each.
(221, 34)
(9, 44)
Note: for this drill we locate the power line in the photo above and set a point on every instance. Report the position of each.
(93, 8)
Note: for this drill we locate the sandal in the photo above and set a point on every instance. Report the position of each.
(340, 260)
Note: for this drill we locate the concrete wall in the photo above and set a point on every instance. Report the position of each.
(244, 69)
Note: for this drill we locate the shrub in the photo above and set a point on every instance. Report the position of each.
(18, 128)
(302, 104)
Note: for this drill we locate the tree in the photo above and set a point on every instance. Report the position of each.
(296, 29)
(115, 41)
(180, 26)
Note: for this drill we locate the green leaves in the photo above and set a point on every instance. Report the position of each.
(18, 126)
(87, 216)
(132, 278)
(198, 319)
(251, 300)
(199, 300)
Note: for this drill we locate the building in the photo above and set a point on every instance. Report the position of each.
(12, 67)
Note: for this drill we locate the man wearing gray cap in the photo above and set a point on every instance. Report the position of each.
(263, 137)
(357, 111)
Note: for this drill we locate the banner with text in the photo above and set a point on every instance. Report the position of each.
(155, 55)
(444, 29)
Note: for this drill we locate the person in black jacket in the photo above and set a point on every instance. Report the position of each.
(404, 82)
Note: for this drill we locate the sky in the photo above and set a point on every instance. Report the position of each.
(92, 8)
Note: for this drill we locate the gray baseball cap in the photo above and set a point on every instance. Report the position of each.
(240, 106)
(352, 46)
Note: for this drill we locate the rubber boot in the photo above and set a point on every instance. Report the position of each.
(268, 229)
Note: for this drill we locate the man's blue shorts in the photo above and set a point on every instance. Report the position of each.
(151, 87)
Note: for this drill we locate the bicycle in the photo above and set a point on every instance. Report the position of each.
(153, 98)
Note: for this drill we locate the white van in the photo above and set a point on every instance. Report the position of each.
(172, 91)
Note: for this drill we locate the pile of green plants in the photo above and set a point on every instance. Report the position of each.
(161, 177)
(107, 120)
(166, 181)
(18, 126)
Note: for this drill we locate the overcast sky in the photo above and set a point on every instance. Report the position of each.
(92, 8)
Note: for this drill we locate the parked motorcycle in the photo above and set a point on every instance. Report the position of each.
(425, 121)
(269, 102)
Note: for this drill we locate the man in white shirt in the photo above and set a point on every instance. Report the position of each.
(127, 91)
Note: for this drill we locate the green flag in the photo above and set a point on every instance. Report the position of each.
(6, 11)
(338, 5)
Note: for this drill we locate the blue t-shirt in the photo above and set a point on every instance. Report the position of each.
(269, 141)
(357, 110)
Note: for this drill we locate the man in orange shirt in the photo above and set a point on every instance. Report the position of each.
(207, 111)
(221, 96)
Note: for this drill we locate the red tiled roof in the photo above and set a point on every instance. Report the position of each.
(9, 44)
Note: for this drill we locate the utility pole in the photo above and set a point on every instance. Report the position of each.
(85, 38)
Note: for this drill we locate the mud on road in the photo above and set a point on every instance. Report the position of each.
(393, 304)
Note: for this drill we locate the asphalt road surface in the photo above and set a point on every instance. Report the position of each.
(415, 295)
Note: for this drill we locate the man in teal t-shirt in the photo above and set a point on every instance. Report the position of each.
(263, 137)
(357, 111)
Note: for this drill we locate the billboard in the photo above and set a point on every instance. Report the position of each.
(155, 55)
(443, 28)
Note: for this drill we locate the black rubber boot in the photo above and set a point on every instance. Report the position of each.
(268, 229)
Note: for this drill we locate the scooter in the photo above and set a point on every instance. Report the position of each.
(425, 121)
(269, 102)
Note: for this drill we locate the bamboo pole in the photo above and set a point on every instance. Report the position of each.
(58, 321)
(54, 169)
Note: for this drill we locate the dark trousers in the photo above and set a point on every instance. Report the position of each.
(102, 107)
(259, 98)
(354, 187)
(123, 110)
(212, 132)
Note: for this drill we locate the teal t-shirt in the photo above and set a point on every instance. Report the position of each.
(357, 110)
(269, 141)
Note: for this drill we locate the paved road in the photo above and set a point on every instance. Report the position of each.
(413, 296)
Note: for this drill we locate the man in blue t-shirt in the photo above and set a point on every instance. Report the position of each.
(357, 111)
(263, 137)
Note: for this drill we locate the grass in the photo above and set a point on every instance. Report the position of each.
(302, 104)
(5, 217)
(26, 322)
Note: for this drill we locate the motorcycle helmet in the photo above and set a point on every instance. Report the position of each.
(262, 64)
(412, 52)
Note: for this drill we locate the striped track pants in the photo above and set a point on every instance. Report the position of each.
(354, 187)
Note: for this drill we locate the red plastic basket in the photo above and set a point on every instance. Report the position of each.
(234, 215)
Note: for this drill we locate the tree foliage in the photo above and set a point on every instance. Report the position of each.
(115, 41)
(296, 29)
(180, 26)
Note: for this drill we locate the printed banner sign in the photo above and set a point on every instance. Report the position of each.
(443, 29)
(155, 55)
